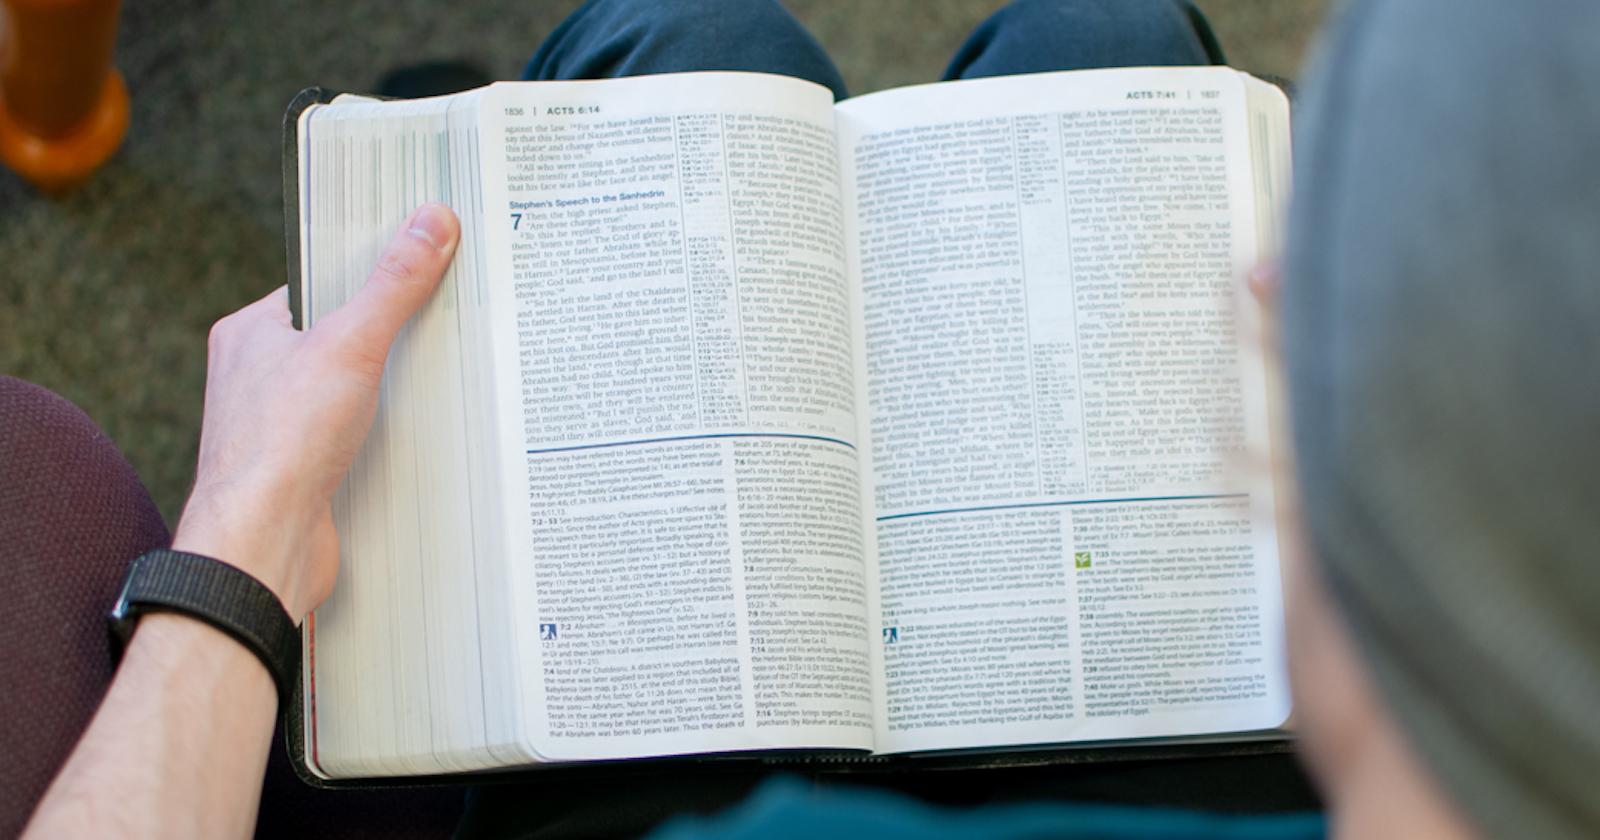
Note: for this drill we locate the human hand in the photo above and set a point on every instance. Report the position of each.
(1266, 286)
(286, 411)
(1265, 283)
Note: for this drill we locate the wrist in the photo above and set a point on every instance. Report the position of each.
(215, 593)
(264, 550)
(178, 644)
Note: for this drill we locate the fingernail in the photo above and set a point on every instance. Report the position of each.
(432, 224)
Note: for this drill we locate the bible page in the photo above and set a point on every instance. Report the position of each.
(1056, 399)
(676, 382)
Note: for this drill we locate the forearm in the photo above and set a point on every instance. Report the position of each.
(178, 747)
(180, 743)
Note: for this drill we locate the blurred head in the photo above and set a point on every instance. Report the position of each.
(1441, 333)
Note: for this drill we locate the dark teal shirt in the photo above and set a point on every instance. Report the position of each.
(790, 809)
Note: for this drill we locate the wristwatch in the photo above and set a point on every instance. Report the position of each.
(222, 596)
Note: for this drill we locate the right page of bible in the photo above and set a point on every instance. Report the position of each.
(1058, 403)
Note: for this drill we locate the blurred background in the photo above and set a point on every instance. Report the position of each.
(106, 294)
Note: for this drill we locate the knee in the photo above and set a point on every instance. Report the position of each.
(636, 37)
(688, 19)
(1119, 32)
(63, 480)
(35, 422)
(1120, 18)
(38, 427)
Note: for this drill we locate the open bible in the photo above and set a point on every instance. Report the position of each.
(748, 421)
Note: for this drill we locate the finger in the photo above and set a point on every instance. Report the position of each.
(1265, 282)
(407, 272)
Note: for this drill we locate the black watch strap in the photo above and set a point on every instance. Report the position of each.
(220, 595)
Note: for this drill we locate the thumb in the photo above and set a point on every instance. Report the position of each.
(408, 271)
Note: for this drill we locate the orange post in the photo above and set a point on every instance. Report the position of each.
(63, 107)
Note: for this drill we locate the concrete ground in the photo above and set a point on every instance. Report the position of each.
(106, 295)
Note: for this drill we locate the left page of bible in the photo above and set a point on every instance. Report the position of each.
(677, 415)
(408, 668)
